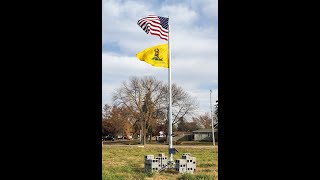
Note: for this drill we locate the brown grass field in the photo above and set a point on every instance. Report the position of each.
(127, 162)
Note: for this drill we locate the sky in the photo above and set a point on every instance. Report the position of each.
(193, 41)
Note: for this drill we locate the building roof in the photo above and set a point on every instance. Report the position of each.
(205, 130)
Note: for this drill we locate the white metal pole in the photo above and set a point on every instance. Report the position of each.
(170, 96)
(213, 140)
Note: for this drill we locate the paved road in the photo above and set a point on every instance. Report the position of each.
(157, 145)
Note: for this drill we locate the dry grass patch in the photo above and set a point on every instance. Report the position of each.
(128, 163)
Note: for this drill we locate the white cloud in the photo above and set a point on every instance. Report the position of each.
(179, 15)
(208, 7)
(120, 20)
(194, 45)
(117, 69)
(203, 97)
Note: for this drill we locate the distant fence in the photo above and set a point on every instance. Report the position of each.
(186, 137)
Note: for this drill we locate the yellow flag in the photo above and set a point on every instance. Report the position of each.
(156, 55)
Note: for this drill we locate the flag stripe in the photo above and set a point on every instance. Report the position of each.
(155, 25)
(157, 29)
(157, 32)
(164, 38)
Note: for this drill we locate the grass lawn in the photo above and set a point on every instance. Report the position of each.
(128, 163)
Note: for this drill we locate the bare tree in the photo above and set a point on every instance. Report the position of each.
(106, 111)
(203, 120)
(141, 97)
(147, 100)
(116, 120)
(183, 105)
(216, 112)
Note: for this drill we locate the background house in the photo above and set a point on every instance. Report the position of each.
(205, 134)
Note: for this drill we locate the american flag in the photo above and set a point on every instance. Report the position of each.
(155, 25)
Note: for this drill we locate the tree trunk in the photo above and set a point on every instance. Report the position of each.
(145, 129)
(144, 136)
(150, 137)
(142, 133)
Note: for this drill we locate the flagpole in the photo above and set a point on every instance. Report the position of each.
(170, 97)
(213, 139)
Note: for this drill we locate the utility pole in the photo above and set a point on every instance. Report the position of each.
(213, 140)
